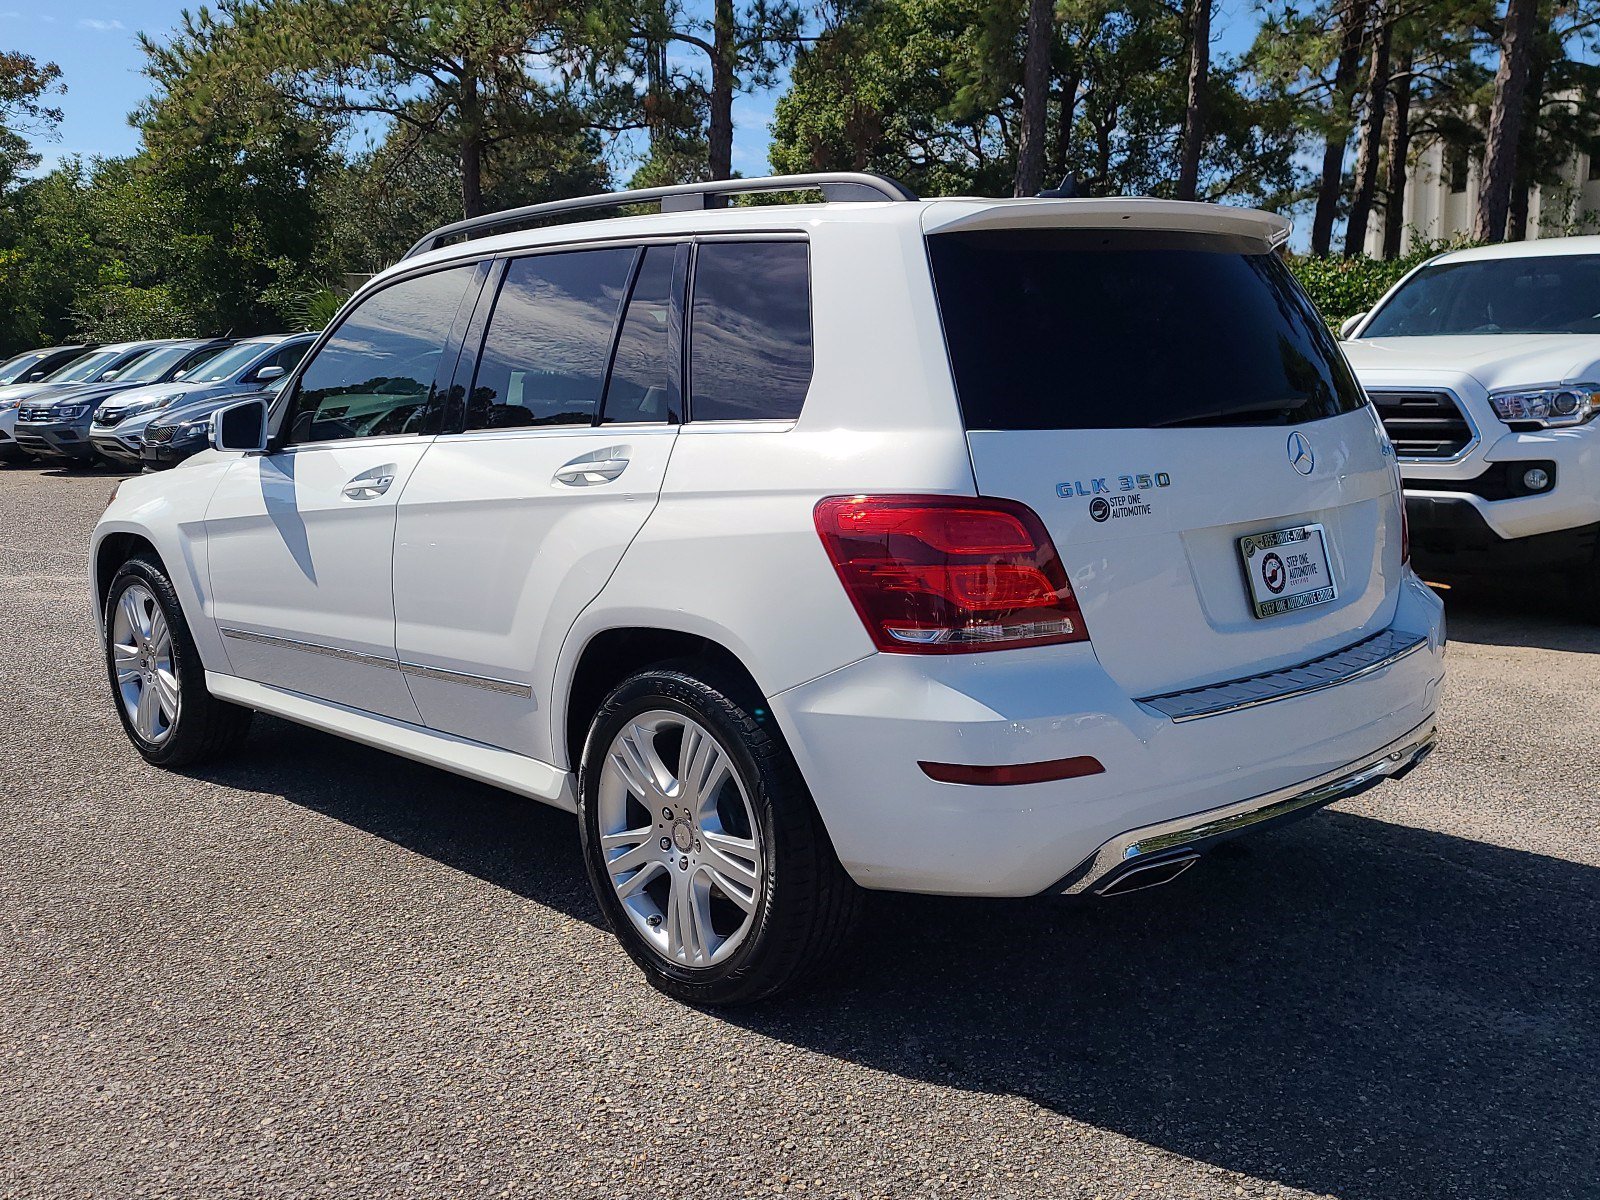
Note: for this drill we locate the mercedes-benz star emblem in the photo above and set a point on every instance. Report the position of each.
(1300, 456)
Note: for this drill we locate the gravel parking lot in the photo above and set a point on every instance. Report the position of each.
(320, 970)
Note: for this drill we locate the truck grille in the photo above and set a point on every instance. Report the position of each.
(1423, 423)
(159, 435)
(33, 414)
(108, 416)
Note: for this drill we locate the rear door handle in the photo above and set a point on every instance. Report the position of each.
(369, 485)
(600, 467)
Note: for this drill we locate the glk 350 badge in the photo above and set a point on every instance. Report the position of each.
(1107, 485)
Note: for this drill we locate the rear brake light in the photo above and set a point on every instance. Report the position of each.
(949, 574)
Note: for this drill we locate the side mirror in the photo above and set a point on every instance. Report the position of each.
(35, 376)
(268, 374)
(1348, 325)
(241, 428)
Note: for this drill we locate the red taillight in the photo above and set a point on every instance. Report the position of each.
(948, 574)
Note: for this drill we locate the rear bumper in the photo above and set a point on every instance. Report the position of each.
(859, 734)
(1126, 858)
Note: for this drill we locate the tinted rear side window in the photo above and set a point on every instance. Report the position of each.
(544, 356)
(645, 371)
(1099, 329)
(750, 332)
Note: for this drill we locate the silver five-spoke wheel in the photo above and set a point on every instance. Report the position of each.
(141, 648)
(679, 838)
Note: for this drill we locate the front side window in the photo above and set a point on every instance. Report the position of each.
(1556, 293)
(644, 383)
(1113, 329)
(544, 353)
(375, 375)
(750, 331)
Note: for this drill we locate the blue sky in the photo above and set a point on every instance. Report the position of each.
(95, 42)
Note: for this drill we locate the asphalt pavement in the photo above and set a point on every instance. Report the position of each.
(319, 970)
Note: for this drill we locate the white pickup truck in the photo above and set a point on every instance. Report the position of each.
(1484, 365)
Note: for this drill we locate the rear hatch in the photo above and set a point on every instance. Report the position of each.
(1171, 405)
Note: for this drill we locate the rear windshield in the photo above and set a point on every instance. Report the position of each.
(1102, 329)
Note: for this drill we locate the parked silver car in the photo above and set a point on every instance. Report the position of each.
(19, 376)
(247, 366)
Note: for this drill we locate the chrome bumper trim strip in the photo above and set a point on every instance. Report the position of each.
(1366, 657)
(1139, 846)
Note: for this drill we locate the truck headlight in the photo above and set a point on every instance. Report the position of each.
(1549, 405)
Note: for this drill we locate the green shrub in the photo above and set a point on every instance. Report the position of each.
(1342, 287)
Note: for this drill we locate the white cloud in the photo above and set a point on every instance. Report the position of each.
(100, 26)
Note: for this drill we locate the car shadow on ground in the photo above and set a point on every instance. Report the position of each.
(1352, 1007)
(1542, 612)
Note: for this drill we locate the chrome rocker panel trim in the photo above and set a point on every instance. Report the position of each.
(1180, 841)
(1366, 657)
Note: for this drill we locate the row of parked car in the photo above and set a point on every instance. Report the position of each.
(135, 404)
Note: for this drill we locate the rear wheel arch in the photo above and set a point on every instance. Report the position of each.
(612, 655)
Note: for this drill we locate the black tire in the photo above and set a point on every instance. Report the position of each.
(806, 906)
(204, 727)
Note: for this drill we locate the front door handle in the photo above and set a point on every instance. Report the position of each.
(369, 485)
(600, 467)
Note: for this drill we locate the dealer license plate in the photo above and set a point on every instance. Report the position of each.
(1287, 569)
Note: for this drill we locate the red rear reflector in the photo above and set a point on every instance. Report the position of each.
(949, 574)
(1043, 772)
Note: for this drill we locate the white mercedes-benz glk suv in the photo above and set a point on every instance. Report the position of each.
(1485, 367)
(962, 546)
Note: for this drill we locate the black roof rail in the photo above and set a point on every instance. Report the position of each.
(835, 186)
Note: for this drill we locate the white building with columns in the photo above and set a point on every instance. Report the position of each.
(1442, 199)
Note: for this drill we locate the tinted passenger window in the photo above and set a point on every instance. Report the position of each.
(644, 374)
(544, 356)
(375, 375)
(1101, 329)
(750, 341)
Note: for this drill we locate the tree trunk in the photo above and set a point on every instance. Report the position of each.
(1194, 111)
(725, 34)
(1397, 151)
(1505, 120)
(471, 147)
(1355, 234)
(1066, 116)
(1522, 189)
(1035, 97)
(1352, 26)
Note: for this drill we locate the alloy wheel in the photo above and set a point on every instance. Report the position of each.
(141, 650)
(678, 838)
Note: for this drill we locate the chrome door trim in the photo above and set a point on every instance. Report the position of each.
(488, 682)
(272, 639)
(509, 686)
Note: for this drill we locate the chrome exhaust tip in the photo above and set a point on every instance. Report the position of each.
(1151, 874)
